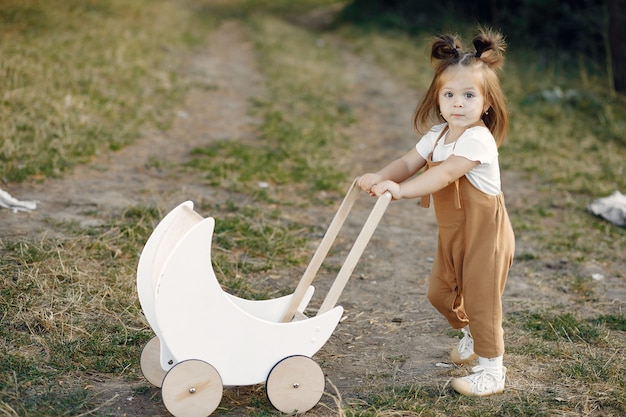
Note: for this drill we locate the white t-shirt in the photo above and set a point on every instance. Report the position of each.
(476, 144)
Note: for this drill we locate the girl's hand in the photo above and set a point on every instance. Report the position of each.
(367, 181)
(382, 187)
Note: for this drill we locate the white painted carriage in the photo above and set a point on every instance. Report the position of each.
(206, 339)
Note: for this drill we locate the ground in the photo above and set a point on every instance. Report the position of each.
(390, 334)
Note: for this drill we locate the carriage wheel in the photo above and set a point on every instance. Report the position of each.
(150, 362)
(192, 388)
(295, 384)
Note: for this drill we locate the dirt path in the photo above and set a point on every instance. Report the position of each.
(390, 334)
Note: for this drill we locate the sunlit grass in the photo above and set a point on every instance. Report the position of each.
(78, 78)
(403, 56)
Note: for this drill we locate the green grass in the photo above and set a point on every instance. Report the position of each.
(585, 354)
(82, 77)
(249, 243)
(576, 144)
(577, 366)
(66, 315)
(68, 305)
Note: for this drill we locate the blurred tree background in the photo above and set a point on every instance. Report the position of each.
(573, 31)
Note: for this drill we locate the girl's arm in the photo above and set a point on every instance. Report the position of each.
(434, 179)
(396, 171)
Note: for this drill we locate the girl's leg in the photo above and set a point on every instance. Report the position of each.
(482, 290)
(484, 278)
(444, 295)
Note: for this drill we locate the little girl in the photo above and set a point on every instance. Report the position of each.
(463, 120)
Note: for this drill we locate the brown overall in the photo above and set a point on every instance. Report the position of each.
(474, 254)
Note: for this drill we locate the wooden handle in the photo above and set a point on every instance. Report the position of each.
(355, 253)
(321, 252)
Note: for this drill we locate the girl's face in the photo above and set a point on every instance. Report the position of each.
(461, 100)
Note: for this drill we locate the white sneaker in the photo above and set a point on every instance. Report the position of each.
(480, 383)
(464, 351)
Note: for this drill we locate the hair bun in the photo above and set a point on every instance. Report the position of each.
(490, 47)
(480, 46)
(445, 47)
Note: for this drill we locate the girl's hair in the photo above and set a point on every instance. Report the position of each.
(447, 52)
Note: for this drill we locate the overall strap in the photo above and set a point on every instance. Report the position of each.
(425, 199)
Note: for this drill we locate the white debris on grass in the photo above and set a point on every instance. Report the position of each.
(443, 365)
(7, 201)
(597, 277)
(611, 208)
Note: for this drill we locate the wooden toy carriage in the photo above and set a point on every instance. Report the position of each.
(206, 339)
